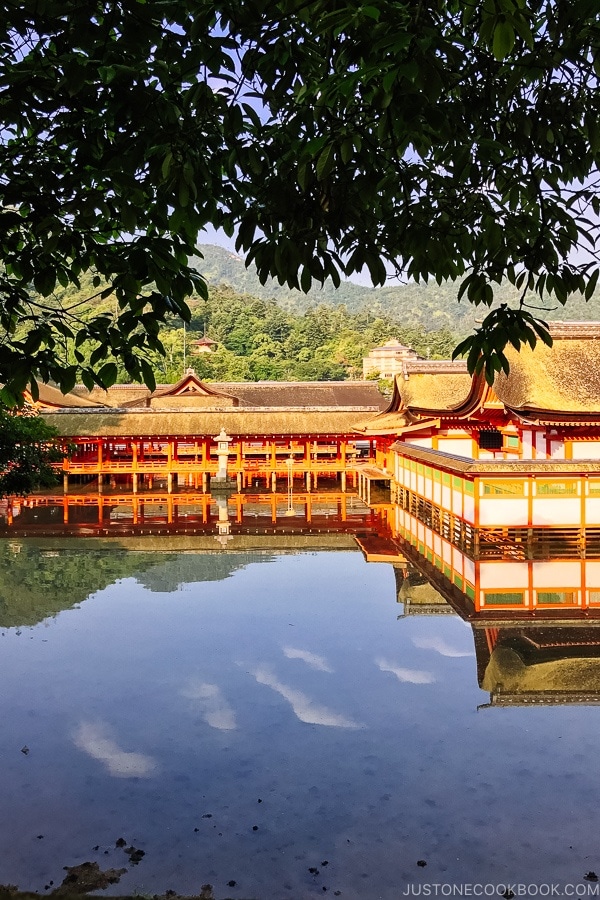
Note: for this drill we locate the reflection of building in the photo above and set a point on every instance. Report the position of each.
(387, 361)
(524, 665)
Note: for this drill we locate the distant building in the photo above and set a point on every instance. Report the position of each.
(387, 360)
(203, 345)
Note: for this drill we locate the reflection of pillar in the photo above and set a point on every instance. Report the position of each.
(223, 523)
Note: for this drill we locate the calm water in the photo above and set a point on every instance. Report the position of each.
(248, 717)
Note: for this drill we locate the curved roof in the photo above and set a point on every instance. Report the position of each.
(562, 378)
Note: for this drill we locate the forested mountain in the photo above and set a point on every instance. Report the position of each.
(429, 306)
(272, 333)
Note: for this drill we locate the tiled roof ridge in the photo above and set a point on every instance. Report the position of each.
(574, 330)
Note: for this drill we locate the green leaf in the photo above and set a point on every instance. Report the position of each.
(504, 40)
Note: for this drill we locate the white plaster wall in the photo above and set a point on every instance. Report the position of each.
(557, 574)
(501, 511)
(469, 508)
(457, 446)
(527, 445)
(457, 504)
(446, 497)
(421, 442)
(540, 445)
(592, 574)
(437, 493)
(557, 449)
(457, 560)
(592, 511)
(503, 576)
(469, 568)
(556, 511)
(447, 552)
(437, 545)
(586, 450)
(428, 488)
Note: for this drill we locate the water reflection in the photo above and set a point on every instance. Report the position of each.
(245, 713)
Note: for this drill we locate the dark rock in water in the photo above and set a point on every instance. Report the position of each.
(120, 842)
(85, 878)
(231, 883)
(590, 876)
(255, 828)
(421, 862)
(325, 862)
(508, 894)
(135, 855)
(207, 816)
(313, 870)
(25, 750)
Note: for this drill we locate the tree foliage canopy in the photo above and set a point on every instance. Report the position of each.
(443, 138)
(28, 450)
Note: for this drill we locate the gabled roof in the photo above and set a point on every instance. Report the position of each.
(51, 397)
(189, 386)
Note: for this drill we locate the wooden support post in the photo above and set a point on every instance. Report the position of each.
(239, 482)
(308, 511)
(169, 482)
(273, 481)
(65, 510)
(273, 508)
(134, 478)
(100, 482)
(308, 481)
(343, 482)
(65, 482)
(204, 481)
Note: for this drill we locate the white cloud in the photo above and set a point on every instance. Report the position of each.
(93, 739)
(311, 659)
(305, 709)
(214, 708)
(440, 646)
(413, 676)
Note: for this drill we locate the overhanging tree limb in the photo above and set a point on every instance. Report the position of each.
(462, 141)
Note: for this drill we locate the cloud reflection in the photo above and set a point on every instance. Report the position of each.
(311, 659)
(305, 709)
(440, 646)
(413, 676)
(214, 708)
(93, 739)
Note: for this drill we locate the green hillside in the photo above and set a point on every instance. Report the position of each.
(427, 306)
